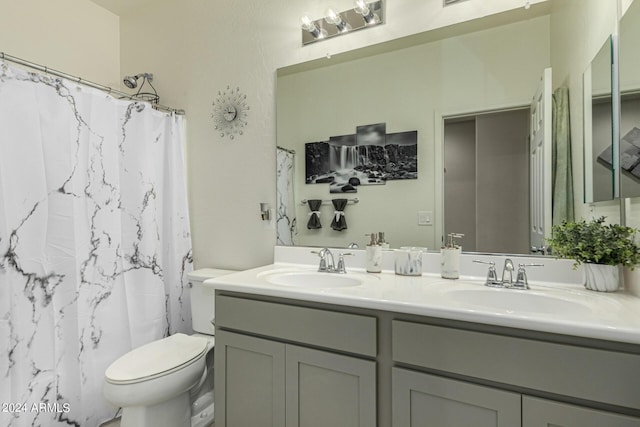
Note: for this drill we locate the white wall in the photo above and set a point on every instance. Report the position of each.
(73, 36)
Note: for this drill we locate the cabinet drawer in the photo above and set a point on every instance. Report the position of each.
(542, 413)
(584, 373)
(346, 332)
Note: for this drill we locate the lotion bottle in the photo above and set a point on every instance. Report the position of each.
(450, 253)
(374, 255)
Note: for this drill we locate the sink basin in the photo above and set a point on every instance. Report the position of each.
(313, 279)
(516, 301)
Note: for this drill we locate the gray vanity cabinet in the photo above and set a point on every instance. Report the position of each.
(273, 368)
(285, 363)
(423, 400)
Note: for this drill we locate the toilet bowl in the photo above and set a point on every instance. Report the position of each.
(168, 382)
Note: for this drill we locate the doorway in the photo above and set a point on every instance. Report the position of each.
(486, 180)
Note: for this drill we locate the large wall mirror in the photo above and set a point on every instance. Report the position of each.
(409, 85)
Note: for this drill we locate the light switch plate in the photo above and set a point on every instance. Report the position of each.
(425, 218)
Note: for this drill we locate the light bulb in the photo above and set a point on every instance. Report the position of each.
(307, 23)
(310, 26)
(361, 7)
(333, 17)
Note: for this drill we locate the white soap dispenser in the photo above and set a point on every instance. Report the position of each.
(374, 255)
(383, 243)
(450, 263)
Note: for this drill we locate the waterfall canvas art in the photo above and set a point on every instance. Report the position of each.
(368, 157)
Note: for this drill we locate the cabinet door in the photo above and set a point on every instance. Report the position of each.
(422, 400)
(546, 413)
(249, 381)
(326, 389)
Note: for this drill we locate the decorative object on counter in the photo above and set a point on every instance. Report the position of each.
(408, 261)
(450, 263)
(602, 248)
(314, 215)
(369, 157)
(339, 222)
(230, 112)
(374, 255)
(381, 241)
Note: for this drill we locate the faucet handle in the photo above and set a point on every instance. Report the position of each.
(341, 267)
(322, 253)
(492, 276)
(521, 278)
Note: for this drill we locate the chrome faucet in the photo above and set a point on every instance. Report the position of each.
(507, 275)
(327, 264)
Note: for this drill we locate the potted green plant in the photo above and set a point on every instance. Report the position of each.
(601, 247)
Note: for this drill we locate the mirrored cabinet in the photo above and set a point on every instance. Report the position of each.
(599, 165)
(612, 115)
(629, 77)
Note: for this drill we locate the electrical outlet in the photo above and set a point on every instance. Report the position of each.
(425, 218)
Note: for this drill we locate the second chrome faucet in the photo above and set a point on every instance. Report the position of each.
(507, 281)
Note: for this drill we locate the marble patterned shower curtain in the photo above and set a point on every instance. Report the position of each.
(94, 243)
(285, 209)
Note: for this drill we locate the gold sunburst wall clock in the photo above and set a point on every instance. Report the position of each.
(230, 112)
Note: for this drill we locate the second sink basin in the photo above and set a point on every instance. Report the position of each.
(516, 301)
(313, 279)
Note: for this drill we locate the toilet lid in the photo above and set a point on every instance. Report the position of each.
(156, 357)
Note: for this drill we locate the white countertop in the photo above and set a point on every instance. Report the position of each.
(607, 316)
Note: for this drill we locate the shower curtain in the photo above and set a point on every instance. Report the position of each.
(94, 243)
(286, 229)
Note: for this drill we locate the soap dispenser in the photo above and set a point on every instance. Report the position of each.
(374, 255)
(450, 263)
(383, 243)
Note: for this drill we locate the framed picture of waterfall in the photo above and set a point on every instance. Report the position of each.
(368, 157)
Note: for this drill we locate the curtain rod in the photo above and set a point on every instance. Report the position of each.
(85, 82)
(286, 149)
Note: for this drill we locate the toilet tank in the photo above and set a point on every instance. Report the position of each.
(202, 303)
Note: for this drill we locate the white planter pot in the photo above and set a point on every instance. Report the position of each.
(632, 281)
(602, 278)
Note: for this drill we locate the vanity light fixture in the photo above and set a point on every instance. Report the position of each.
(365, 14)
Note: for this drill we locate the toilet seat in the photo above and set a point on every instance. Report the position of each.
(156, 359)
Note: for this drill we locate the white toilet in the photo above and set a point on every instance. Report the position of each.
(169, 382)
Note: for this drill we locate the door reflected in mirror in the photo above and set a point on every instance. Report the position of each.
(486, 176)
